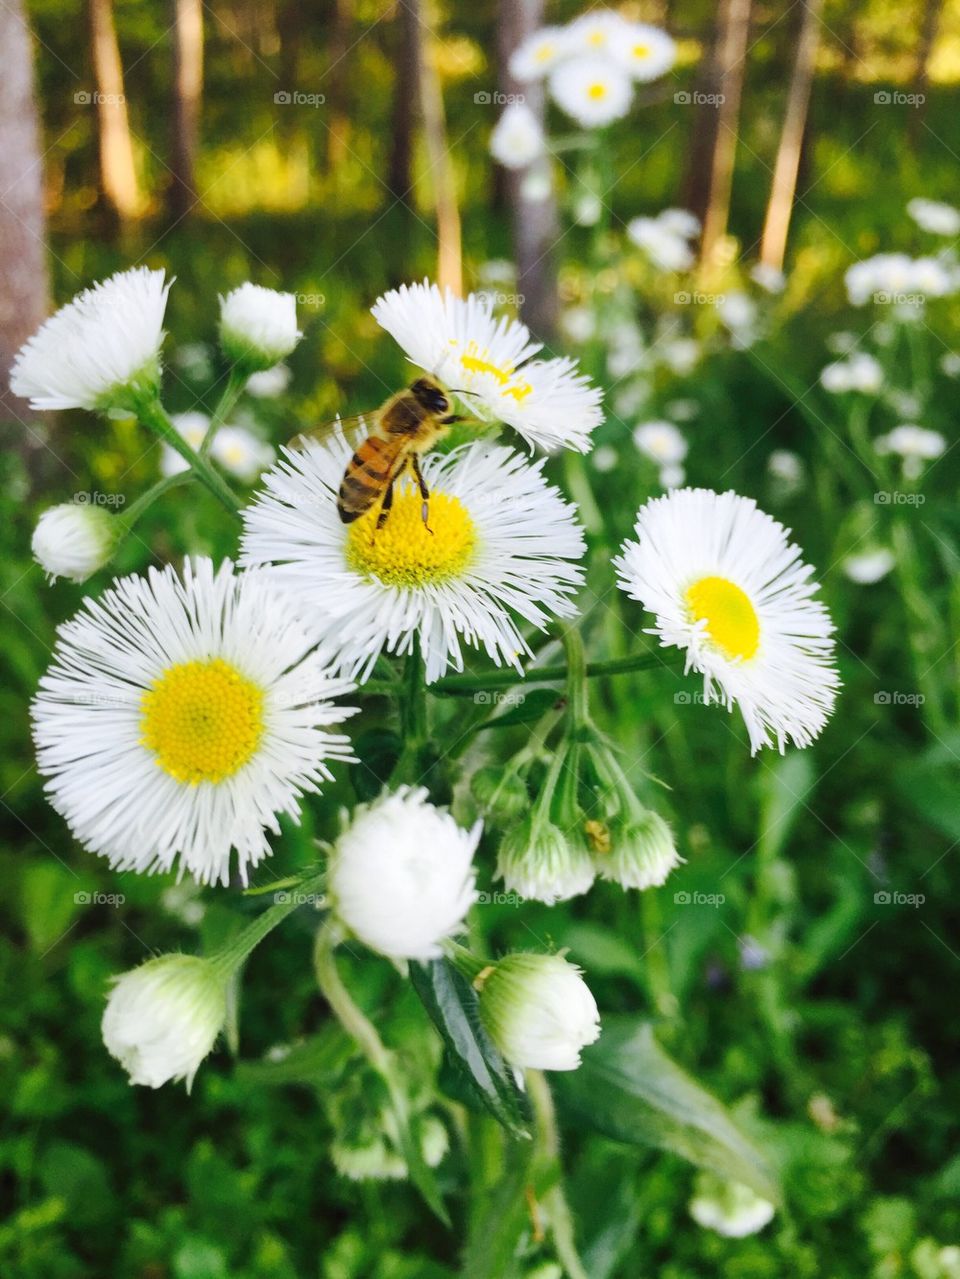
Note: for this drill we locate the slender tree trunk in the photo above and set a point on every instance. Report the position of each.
(735, 30)
(442, 179)
(118, 177)
(783, 188)
(696, 186)
(187, 97)
(23, 262)
(406, 94)
(534, 220)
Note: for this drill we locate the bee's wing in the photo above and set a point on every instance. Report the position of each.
(352, 429)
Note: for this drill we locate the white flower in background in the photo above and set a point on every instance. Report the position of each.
(950, 363)
(661, 442)
(536, 184)
(626, 352)
(605, 458)
(867, 567)
(587, 208)
(859, 372)
(683, 410)
(681, 222)
(738, 314)
(97, 346)
(269, 383)
(931, 278)
(192, 425)
(258, 326)
(163, 1018)
(898, 278)
(934, 216)
(787, 470)
(905, 404)
(74, 540)
(769, 278)
(680, 355)
(645, 52)
(642, 853)
(538, 54)
(498, 271)
(728, 1207)
(538, 1011)
(503, 542)
(179, 718)
(539, 862)
(579, 323)
(672, 477)
(914, 444)
(241, 453)
(401, 876)
(598, 31)
(725, 584)
(842, 343)
(195, 360)
(517, 138)
(591, 90)
(664, 247)
(459, 341)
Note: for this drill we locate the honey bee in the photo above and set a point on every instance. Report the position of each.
(408, 424)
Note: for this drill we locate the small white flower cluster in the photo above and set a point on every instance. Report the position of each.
(898, 279)
(934, 216)
(914, 445)
(860, 372)
(665, 239)
(592, 63)
(664, 445)
(240, 452)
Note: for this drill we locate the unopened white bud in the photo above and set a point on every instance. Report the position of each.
(538, 1011)
(258, 326)
(73, 540)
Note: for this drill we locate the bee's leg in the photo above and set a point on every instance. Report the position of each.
(424, 492)
(385, 506)
(451, 418)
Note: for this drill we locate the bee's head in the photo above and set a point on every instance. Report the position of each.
(430, 395)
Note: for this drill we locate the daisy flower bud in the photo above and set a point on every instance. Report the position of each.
(98, 349)
(641, 853)
(538, 861)
(729, 1208)
(258, 326)
(73, 540)
(401, 876)
(162, 1018)
(538, 1011)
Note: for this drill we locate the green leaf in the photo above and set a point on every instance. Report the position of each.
(523, 707)
(451, 1003)
(787, 784)
(628, 1088)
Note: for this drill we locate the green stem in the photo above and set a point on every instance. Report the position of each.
(233, 954)
(554, 1200)
(236, 381)
(465, 961)
(577, 697)
(360, 1029)
(414, 729)
(133, 512)
(464, 685)
(151, 413)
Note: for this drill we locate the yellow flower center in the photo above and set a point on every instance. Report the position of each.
(597, 38)
(641, 51)
(404, 552)
(475, 360)
(544, 53)
(597, 90)
(203, 720)
(731, 619)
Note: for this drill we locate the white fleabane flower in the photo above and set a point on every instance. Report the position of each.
(503, 542)
(950, 363)
(459, 341)
(241, 453)
(538, 1011)
(258, 326)
(665, 248)
(726, 585)
(538, 54)
(73, 540)
(269, 383)
(681, 222)
(934, 216)
(867, 567)
(401, 876)
(681, 355)
(162, 1019)
(915, 445)
(859, 372)
(661, 442)
(598, 31)
(107, 340)
(672, 477)
(179, 718)
(728, 1207)
(592, 90)
(645, 52)
(517, 138)
(738, 314)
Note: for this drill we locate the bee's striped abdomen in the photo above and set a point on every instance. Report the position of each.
(367, 477)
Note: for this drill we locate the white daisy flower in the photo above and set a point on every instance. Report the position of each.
(74, 541)
(597, 31)
(726, 585)
(401, 876)
(180, 718)
(517, 138)
(867, 567)
(258, 326)
(269, 383)
(860, 372)
(914, 444)
(459, 341)
(663, 246)
(769, 278)
(107, 339)
(681, 355)
(645, 52)
(503, 542)
(241, 453)
(934, 216)
(591, 90)
(661, 442)
(681, 222)
(538, 54)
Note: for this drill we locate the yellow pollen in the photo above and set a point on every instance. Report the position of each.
(597, 90)
(732, 622)
(473, 360)
(203, 720)
(403, 552)
(544, 53)
(641, 51)
(597, 38)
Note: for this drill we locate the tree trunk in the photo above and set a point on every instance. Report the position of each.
(118, 177)
(187, 97)
(734, 32)
(783, 188)
(449, 259)
(932, 10)
(406, 94)
(534, 220)
(23, 262)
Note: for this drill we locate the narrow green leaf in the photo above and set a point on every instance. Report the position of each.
(787, 784)
(451, 1003)
(629, 1089)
